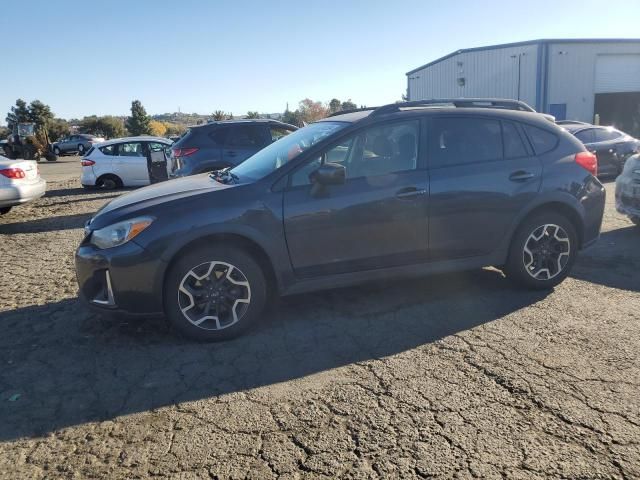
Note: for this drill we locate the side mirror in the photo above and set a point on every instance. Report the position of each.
(329, 174)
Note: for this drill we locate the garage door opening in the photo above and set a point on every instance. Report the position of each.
(622, 110)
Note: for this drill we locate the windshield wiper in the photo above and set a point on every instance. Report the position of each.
(224, 175)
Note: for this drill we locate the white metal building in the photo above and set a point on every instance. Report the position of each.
(571, 79)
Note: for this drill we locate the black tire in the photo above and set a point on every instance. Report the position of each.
(81, 150)
(516, 266)
(4, 210)
(51, 157)
(56, 150)
(109, 182)
(245, 267)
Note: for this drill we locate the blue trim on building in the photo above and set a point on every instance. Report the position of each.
(539, 77)
(545, 96)
(545, 41)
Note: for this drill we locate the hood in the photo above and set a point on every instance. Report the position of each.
(161, 193)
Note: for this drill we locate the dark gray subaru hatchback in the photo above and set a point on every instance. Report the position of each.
(404, 189)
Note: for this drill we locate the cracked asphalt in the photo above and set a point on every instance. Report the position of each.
(452, 376)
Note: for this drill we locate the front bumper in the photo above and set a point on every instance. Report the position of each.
(18, 194)
(122, 279)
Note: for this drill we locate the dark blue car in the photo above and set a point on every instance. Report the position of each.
(400, 190)
(227, 143)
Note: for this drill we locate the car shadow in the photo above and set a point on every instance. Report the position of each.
(74, 192)
(614, 261)
(63, 366)
(47, 224)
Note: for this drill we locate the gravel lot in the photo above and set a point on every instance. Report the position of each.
(451, 376)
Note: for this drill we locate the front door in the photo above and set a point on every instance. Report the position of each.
(479, 184)
(378, 218)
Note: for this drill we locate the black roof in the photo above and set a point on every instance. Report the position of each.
(244, 120)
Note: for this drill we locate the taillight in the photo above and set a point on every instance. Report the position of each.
(588, 161)
(87, 163)
(14, 173)
(184, 152)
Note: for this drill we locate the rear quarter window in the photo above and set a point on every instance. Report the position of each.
(108, 150)
(541, 140)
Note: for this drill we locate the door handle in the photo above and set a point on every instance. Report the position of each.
(521, 176)
(231, 153)
(409, 193)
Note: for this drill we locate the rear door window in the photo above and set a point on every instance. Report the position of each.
(278, 132)
(586, 136)
(248, 136)
(130, 149)
(541, 140)
(464, 140)
(513, 145)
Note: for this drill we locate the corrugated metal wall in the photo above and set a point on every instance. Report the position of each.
(487, 73)
(572, 73)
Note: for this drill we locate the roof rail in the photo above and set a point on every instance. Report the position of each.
(343, 112)
(458, 103)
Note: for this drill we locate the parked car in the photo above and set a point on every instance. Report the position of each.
(381, 193)
(217, 145)
(20, 182)
(79, 143)
(611, 146)
(121, 162)
(570, 122)
(628, 189)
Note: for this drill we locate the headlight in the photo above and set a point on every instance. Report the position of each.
(120, 232)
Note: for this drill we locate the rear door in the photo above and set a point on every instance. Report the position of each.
(482, 174)
(130, 164)
(243, 141)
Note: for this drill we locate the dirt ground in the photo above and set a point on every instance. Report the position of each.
(454, 376)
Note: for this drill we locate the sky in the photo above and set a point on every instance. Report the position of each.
(84, 58)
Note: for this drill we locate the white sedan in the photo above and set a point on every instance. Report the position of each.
(121, 162)
(20, 182)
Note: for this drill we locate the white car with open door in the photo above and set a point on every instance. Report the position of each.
(20, 182)
(121, 162)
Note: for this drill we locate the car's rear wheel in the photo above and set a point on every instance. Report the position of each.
(81, 149)
(109, 182)
(5, 210)
(635, 220)
(214, 293)
(542, 251)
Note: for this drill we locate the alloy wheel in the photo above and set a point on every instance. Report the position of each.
(546, 252)
(214, 295)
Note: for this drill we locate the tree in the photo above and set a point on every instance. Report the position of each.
(219, 115)
(174, 129)
(40, 114)
(138, 122)
(292, 118)
(349, 105)
(57, 129)
(107, 126)
(251, 114)
(311, 111)
(157, 128)
(335, 105)
(18, 113)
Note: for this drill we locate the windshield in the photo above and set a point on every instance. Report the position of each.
(286, 149)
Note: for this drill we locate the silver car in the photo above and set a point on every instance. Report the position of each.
(628, 189)
(78, 143)
(20, 182)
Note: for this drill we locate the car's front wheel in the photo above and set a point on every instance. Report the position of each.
(542, 251)
(214, 293)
